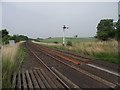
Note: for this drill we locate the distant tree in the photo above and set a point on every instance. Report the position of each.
(4, 33)
(22, 37)
(5, 36)
(18, 38)
(5, 39)
(39, 38)
(105, 29)
(15, 37)
(118, 29)
(95, 36)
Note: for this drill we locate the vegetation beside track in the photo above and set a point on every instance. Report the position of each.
(93, 48)
(74, 40)
(12, 57)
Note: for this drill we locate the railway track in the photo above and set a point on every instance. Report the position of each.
(83, 59)
(77, 59)
(41, 78)
(103, 71)
(90, 63)
(72, 85)
(65, 66)
(109, 66)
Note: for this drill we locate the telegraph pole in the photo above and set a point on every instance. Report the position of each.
(64, 28)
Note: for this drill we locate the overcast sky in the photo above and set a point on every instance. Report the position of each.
(119, 8)
(46, 19)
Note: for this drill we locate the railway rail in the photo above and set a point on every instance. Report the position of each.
(84, 59)
(78, 69)
(72, 85)
(77, 59)
(41, 78)
(109, 66)
(98, 68)
(91, 63)
(72, 71)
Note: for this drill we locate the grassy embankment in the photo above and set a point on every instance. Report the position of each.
(12, 57)
(102, 50)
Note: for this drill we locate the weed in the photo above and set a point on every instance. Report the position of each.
(102, 50)
(12, 57)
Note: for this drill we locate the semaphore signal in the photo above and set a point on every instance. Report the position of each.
(64, 28)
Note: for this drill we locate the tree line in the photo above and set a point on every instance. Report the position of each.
(6, 37)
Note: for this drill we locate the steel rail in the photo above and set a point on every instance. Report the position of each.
(63, 83)
(99, 79)
(90, 65)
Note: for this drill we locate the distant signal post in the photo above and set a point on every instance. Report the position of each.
(64, 28)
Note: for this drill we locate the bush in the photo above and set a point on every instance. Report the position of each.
(69, 43)
(106, 29)
(56, 42)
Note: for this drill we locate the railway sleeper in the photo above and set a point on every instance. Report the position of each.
(36, 79)
(71, 84)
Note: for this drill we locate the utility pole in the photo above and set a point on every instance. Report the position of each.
(64, 28)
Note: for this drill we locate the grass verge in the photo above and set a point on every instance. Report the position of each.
(12, 57)
(94, 49)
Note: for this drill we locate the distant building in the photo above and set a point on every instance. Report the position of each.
(11, 42)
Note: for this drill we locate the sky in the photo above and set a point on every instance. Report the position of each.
(59, 0)
(0, 15)
(119, 8)
(45, 19)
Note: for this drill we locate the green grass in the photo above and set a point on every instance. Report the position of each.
(74, 40)
(52, 40)
(113, 58)
(0, 63)
(7, 69)
(10, 66)
(21, 55)
(90, 47)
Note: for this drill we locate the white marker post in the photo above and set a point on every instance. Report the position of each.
(64, 27)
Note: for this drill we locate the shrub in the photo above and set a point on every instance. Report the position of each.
(69, 43)
(56, 42)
